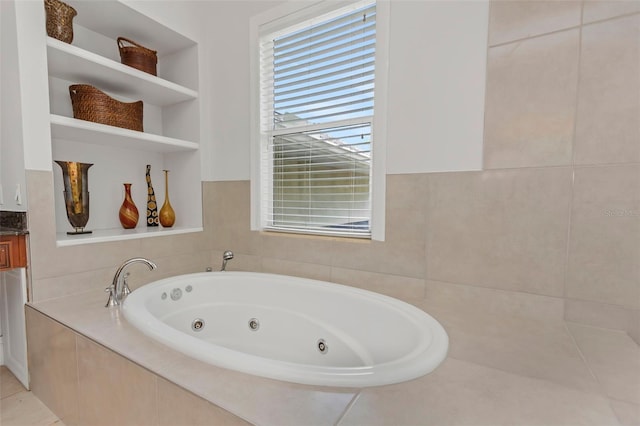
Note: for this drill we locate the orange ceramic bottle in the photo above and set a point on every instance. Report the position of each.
(128, 211)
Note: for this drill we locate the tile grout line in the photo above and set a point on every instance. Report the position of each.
(584, 359)
(573, 27)
(593, 374)
(348, 407)
(567, 254)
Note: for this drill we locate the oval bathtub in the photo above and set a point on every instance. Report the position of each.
(288, 328)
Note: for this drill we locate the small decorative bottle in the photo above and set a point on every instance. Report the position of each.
(167, 215)
(128, 211)
(152, 206)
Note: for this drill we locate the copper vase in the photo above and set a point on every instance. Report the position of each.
(167, 215)
(76, 194)
(128, 211)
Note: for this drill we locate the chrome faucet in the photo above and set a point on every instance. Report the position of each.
(119, 288)
(227, 255)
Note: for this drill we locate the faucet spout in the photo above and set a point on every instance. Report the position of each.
(118, 288)
(226, 256)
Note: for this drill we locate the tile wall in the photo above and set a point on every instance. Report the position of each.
(549, 229)
(73, 380)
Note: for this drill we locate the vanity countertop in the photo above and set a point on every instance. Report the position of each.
(12, 232)
(13, 223)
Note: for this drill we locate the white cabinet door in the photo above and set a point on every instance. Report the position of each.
(13, 296)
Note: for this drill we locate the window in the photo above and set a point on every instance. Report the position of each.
(316, 109)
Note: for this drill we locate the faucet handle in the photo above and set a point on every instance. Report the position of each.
(125, 286)
(112, 296)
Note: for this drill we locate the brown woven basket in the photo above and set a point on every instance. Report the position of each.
(137, 56)
(59, 20)
(91, 104)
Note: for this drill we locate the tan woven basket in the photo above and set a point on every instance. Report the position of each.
(59, 20)
(91, 104)
(137, 56)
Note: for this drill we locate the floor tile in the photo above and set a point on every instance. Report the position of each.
(463, 393)
(613, 357)
(537, 349)
(23, 408)
(9, 385)
(628, 413)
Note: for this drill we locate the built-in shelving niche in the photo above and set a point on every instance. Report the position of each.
(171, 121)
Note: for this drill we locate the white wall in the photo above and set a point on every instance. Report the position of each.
(436, 86)
(437, 69)
(227, 90)
(436, 83)
(36, 138)
(11, 152)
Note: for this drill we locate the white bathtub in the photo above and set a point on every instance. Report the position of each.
(288, 328)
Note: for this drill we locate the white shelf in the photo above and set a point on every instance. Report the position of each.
(114, 19)
(119, 234)
(100, 134)
(80, 66)
(172, 108)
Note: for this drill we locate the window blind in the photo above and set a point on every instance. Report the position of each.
(317, 99)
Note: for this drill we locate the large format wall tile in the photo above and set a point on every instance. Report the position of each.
(113, 390)
(312, 271)
(501, 229)
(403, 288)
(53, 365)
(461, 393)
(607, 124)
(604, 245)
(530, 103)
(230, 213)
(176, 406)
(300, 248)
(595, 10)
(471, 298)
(603, 315)
(513, 20)
(403, 251)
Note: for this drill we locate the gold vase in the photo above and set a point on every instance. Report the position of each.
(76, 194)
(167, 215)
(128, 213)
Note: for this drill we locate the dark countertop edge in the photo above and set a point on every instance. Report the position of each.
(10, 232)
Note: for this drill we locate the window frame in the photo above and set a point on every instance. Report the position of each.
(287, 16)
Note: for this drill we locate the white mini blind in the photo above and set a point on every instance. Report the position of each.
(317, 105)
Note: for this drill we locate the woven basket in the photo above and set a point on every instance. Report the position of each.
(91, 104)
(137, 56)
(59, 20)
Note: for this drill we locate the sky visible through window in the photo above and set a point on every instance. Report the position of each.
(325, 73)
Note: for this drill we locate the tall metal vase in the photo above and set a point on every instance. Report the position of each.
(152, 206)
(76, 194)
